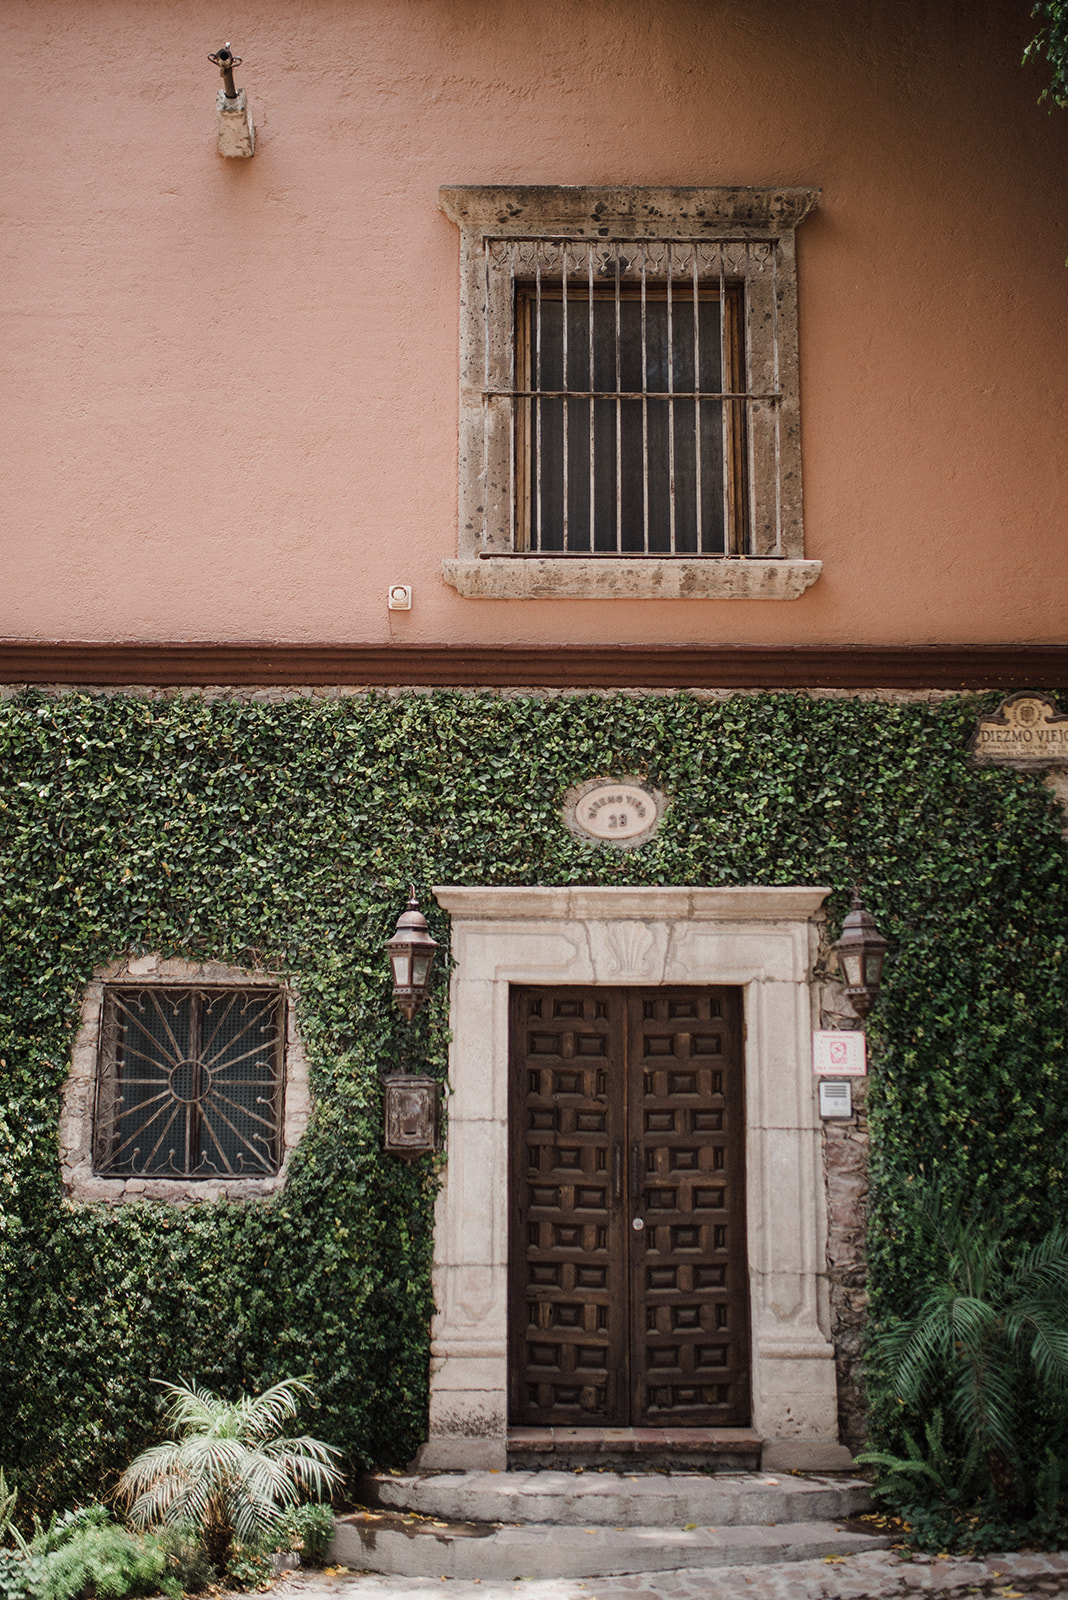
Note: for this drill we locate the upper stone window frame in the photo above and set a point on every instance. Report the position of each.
(81, 1182)
(486, 566)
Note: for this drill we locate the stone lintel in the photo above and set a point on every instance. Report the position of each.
(507, 210)
(745, 902)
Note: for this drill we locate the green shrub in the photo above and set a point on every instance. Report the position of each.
(80, 1553)
(20, 1575)
(106, 1561)
(927, 1471)
(188, 1569)
(249, 1566)
(980, 1350)
(8, 1501)
(308, 1529)
(227, 1473)
(63, 1527)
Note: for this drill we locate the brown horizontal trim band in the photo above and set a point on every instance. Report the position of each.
(1043, 666)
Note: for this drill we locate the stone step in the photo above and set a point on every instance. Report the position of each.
(430, 1548)
(721, 1449)
(608, 1499)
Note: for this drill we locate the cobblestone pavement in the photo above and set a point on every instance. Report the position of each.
(880, 1575)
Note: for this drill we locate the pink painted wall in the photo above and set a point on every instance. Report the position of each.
(231, 386)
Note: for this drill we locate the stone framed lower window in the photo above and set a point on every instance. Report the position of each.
(629, 393)
(188, 1082)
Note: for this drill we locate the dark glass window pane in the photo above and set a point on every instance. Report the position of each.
(637, 471)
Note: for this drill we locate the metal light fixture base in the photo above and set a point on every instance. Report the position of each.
(237, 136)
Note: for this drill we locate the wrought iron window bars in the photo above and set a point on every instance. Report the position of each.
(636, 419)
(190, 1082)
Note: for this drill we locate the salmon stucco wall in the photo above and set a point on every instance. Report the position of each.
(231, 385)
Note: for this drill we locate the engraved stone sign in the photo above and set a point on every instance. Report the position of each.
(1026, 731)
(624, 812)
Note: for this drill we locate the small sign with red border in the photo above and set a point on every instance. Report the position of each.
(839, 1054)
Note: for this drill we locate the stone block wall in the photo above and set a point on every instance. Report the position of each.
(845, 1168)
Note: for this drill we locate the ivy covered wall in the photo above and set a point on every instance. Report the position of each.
(282, 832)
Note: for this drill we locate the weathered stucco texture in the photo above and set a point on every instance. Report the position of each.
(232, 385)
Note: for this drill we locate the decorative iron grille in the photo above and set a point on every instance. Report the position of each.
(190, 1083)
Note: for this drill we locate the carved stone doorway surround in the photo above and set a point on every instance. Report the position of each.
(763, 939)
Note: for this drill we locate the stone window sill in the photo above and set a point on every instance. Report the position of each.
(616, 578)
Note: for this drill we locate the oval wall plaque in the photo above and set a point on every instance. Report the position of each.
(619, 811)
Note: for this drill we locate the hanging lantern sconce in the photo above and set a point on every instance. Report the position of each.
(412, 1100)
(411, 955)
(861, 951)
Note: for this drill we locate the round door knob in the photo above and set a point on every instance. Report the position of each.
(638, 1224)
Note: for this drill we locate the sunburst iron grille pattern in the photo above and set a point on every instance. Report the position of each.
(190, 1083)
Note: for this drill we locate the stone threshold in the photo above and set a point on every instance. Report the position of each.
(722, 1449)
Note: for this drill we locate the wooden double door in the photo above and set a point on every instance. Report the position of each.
(628, 1283)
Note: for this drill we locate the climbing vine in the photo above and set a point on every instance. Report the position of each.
(1050, 44)
(283, 835)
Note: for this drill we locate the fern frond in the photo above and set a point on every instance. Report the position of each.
(276, 1405)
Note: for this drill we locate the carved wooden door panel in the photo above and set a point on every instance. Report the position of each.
(689, 1288)
(628, 1289)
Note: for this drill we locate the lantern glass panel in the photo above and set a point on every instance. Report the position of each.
(874, 968)
(852, 963)
(420, 968)
(402, 967)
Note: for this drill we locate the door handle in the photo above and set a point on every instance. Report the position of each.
(635, 1170)
(617, 1170)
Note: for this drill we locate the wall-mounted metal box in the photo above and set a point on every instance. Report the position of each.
(836, 1098)
(412, 1114)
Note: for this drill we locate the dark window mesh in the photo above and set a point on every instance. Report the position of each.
(190, 1083)
(657, 463)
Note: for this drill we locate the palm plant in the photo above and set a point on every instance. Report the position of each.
(226, 1472)
(989, 1338)
(8, 1530)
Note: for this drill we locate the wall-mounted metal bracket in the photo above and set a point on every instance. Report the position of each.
(237, 136)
